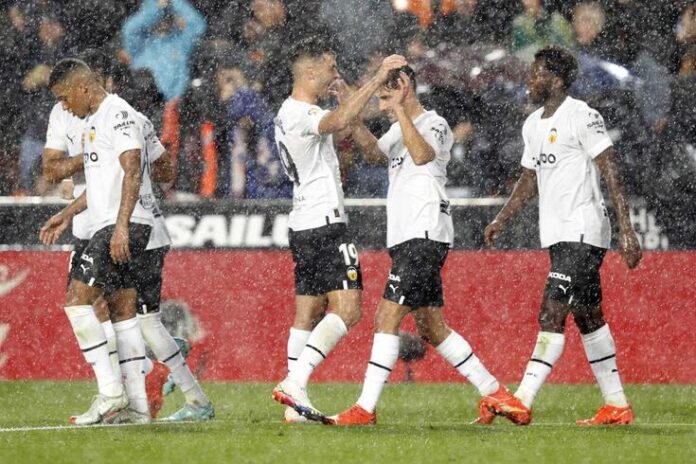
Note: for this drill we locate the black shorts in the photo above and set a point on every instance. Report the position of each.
(148, 281)
(96, 268)
(325, 260)
(574, 276)
(414, 279)
(79, 246)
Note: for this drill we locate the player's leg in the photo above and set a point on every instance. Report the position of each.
(598, 342)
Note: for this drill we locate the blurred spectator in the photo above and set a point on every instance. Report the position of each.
(588, 26)
(536, 27)
(465, 25)
(161, 37)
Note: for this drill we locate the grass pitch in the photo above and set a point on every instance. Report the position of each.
(417, 423)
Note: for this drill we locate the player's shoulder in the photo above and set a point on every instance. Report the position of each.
(60, 115)
(118, 108)
(534, 116)
(432, 117)
(582, 108)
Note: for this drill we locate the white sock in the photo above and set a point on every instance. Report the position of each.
(131, 354)
(296, 343)
(108, 328)
(385, 352)
(601, 353)
(90, 337)
(459, 354)
(167, 351)
(319, 344)
(547, 350)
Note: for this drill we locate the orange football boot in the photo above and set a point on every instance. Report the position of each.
(354, 416)
(485, 416)
(610, 415)
(502, 403)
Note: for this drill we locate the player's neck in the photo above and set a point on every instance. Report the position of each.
(303, 94)
(552, 103)
(98, 97)
(413, 108)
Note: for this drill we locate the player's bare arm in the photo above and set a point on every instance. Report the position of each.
(347, 111)
(56, 224)
(524, 190)
(367, 144)
(56, 166)
(162, 169)
(629, 248)
(421, 151)
(130, 191)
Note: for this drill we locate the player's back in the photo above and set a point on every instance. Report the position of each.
(310, 161)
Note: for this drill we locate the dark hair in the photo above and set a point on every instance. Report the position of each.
(560, 62)
(311, 47)
(98, 61)
(64, 69)
(394, 75)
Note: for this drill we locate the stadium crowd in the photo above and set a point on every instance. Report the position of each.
(211, 75)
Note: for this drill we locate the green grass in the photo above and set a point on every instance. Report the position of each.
(417, 423)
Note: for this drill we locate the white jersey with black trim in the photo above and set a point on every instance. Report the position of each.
(112, 130)
(64, 134)
(310, 161)
(417, 205)
(561, 150)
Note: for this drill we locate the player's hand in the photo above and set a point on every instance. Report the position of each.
(398, 95)
(491, 232)
(120, 251)
(389, 63)
(53, 228)
(340, 90)
(629, 248)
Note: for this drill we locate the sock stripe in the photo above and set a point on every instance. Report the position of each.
(98, 345)
(113, 352)
(465, 360)
(137, 358)
(541, 361)
(380, 366)
(317, 350)
(172, 356)
(292, 359)
(603, 359)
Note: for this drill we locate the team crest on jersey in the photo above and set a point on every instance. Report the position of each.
(553, 135)
(92, 134)
(352, 273)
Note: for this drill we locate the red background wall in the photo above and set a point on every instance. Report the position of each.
(244, 303)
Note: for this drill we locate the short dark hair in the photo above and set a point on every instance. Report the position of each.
(394, 75)
(312, 46)
(560, 62)
(64, 69)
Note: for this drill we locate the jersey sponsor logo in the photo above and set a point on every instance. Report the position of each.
(559, 276)
(545, 159)
(90, 157)
(440, 132)
(553, 135)
(123, 125)
(7, 283)
(233, 231)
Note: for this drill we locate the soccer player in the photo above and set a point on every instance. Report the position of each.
(419, 235)
(566, 147)
(327, 266)
(149, 279)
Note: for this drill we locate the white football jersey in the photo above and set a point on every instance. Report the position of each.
(310, 161)
(561, 150)
(113, 129)
(417, 205)
(65, 134)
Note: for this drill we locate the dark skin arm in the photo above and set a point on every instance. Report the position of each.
(162, 170)
(130, 191)
(56, 166)
(56, 225)
(629, 248)
(524, 190)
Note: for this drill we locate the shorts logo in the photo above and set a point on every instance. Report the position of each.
(393, 287)
(352, 273)
(556, 275)
(395, 278)
(87, 258)
(565, 289)
(84, 268)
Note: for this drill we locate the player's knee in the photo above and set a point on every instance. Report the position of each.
(387, 321)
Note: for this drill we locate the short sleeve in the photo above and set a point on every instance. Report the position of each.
(57, 130)
(386, 141)
(153, 146)
(438, 135)
(591, 132)
(527, 155)
(311, 119)
(126, 131)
